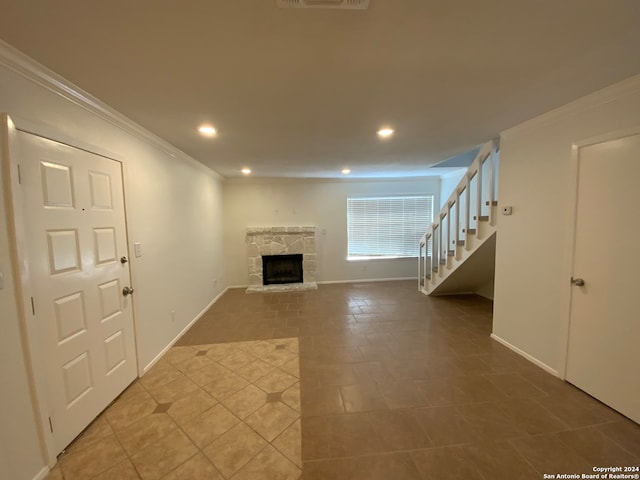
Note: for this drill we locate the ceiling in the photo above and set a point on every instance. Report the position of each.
(302, 92)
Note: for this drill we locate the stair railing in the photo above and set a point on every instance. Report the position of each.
(469, 204)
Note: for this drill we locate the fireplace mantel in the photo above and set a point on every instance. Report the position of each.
(281, 241)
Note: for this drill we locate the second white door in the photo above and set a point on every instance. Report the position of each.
(603, 354)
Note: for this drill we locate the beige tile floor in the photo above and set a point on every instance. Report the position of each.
(208, 411)
(392, 385)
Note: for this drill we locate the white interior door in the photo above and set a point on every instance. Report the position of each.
(603, 355)
(76, 237)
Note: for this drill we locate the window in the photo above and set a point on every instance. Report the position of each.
(390, 226)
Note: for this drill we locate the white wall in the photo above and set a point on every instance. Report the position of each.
(20, 456)
(534, 248)
(322, 203)
(448, 183)
(486, 290)
(174, 208)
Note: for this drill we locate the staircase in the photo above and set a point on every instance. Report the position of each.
(457, 254)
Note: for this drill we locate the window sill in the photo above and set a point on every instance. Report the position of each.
(379, 257)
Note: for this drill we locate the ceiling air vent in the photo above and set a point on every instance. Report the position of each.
(341, 4)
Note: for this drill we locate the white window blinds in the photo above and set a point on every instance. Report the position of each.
(387, 226)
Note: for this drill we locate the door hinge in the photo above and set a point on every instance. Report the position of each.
(19, 175)
(33, 307)
(51, 424)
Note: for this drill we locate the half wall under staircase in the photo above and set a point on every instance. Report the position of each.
(457, 254)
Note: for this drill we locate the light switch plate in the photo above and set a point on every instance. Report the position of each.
(137, 248)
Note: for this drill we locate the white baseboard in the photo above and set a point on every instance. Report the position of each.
(453, 294)
(182, 332)
(368, 280)
(524, 354)
(42, 474)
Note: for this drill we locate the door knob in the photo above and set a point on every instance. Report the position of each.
(127, 291)
(578, 282)
(123, 260)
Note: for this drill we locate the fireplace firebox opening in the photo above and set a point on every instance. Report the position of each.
(279, 269)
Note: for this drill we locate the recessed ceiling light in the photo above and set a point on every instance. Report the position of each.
(346, 171)
(246, 171)
(207, 131)
(385, 132)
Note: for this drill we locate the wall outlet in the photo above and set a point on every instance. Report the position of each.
(173, 315)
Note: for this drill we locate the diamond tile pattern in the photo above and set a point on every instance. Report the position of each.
(234, 449)
(162, 407)
(272, 419)
(246, 401)
(274, 397)
(353, 381)
(184, 419)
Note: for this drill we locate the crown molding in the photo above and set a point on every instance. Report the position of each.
(255, 181)
(629, 86)
(19, 63)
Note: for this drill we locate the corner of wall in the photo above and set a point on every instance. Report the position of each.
(533, 255)
(486, 290)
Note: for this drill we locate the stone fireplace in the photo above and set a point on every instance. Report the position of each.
(281, 241)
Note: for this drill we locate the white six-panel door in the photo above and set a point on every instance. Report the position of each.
(76, 237)
(603, 355)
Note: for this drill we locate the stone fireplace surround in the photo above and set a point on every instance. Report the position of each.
(281, 241)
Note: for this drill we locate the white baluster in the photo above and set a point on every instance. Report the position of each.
(448, 245)
(492, 182)
(478, 197)
(457, 226)
(467, 210)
